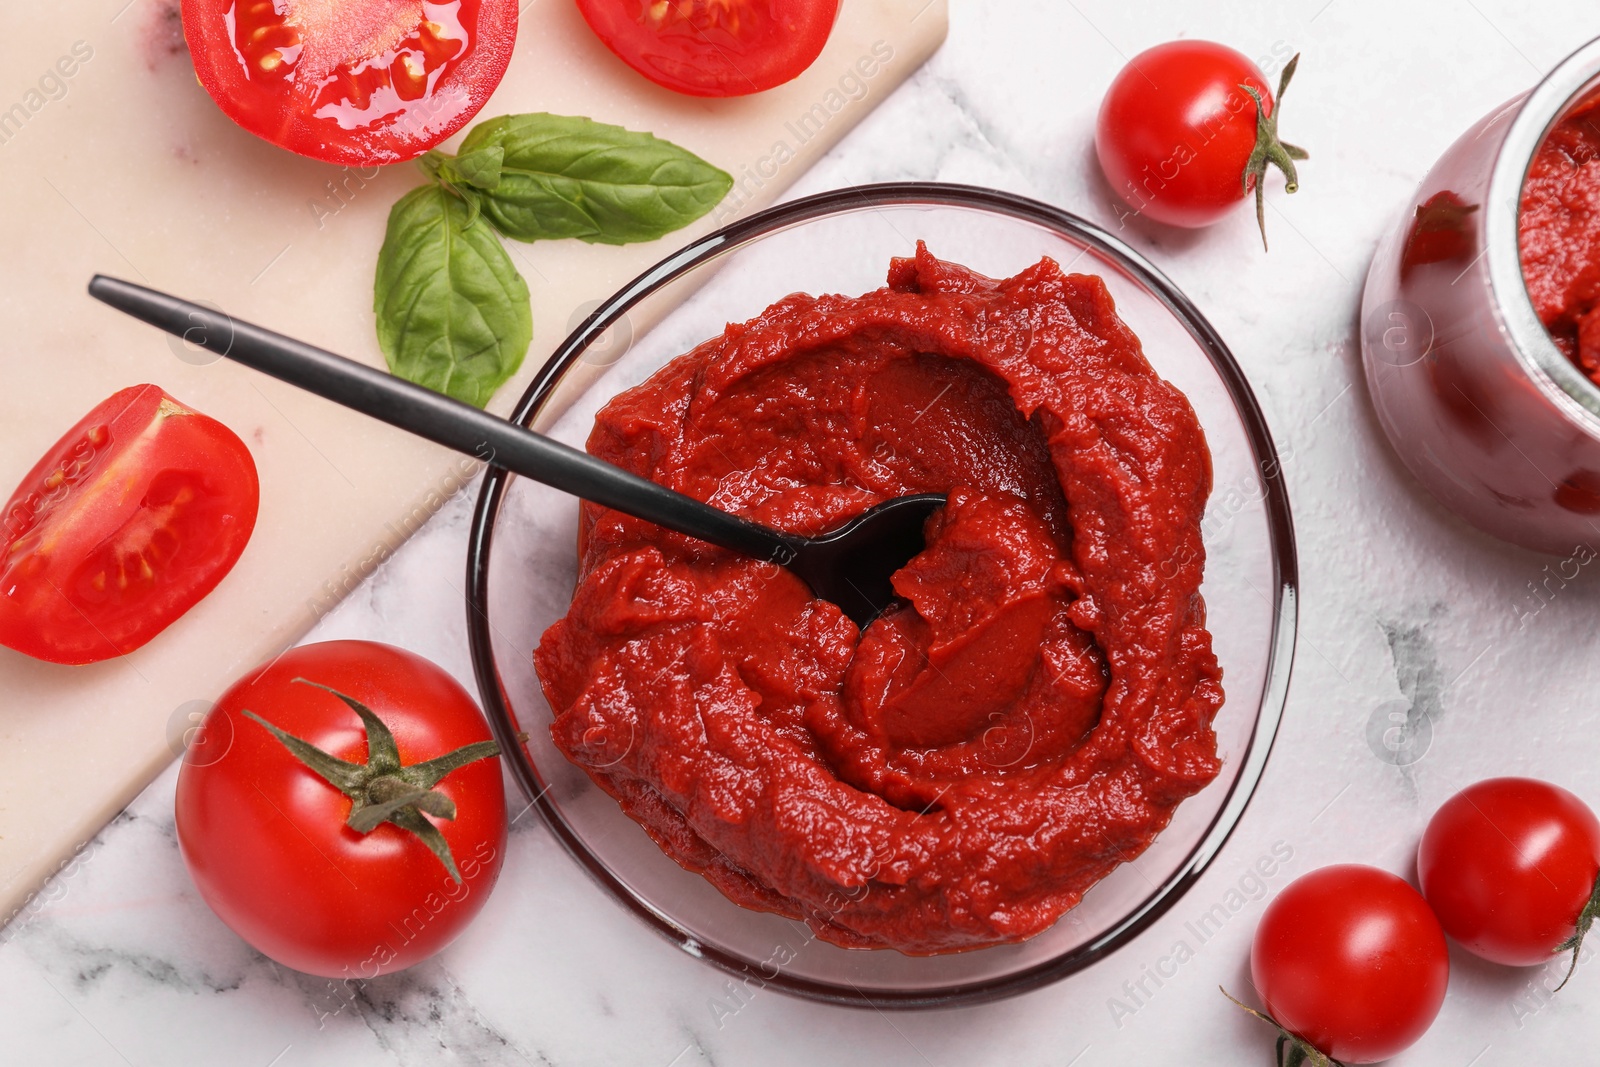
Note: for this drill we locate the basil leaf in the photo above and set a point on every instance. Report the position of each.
(453, 313)
(563, 176)
(479, 169)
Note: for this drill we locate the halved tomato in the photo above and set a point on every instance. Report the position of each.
(714, 47)
(358, 82)
(133, 516)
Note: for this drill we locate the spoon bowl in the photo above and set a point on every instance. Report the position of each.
(852, 565)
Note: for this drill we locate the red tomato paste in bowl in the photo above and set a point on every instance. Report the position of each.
(960, 773)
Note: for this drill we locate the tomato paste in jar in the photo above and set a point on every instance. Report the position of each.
(1558, 232)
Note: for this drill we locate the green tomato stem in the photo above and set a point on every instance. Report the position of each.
(1289, 1050)
(1574, 943)
(383, 790)
(1269, 149)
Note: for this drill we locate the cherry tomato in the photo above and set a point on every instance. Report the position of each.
(1180, 138)
(1509, 866)
(267, 838)
(714, 47)
(357, 82)
(133, 516)
(1349, 959)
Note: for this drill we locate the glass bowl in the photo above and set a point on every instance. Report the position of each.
(522, 567)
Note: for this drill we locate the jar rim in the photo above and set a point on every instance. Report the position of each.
(1573, 393)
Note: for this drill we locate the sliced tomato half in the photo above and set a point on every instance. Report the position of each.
(714, 47)
(358, 82)
(133, 516)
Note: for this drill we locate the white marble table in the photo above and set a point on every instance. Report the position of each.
(1404, 608)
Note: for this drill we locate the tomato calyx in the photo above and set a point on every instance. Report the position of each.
(1270, 149)
(1574, 943)
(384, 790)
(1290, 1050)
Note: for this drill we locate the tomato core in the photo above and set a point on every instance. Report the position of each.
(359, 66)
(351, 81)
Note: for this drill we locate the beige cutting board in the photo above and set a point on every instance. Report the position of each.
(127, 168)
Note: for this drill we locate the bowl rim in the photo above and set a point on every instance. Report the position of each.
(1285, 596)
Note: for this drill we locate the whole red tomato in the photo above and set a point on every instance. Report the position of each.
(132, 517)
(1510, 867)
(1188, 129)
(358, 82)
(715, 47)
(267, 835)
(1350, 960)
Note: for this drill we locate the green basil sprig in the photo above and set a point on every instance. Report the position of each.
(453, 313)
(548, 176)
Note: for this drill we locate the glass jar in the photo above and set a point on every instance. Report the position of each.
(1474, 395)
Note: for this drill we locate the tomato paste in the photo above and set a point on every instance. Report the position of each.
(1558, 230)
(1029, 713)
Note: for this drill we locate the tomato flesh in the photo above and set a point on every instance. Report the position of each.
(134, 516)
(1508, 864)
(374, 81)
(264, 837)
(1351, 959)
(714, 47)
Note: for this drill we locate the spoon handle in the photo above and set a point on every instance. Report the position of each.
(440, 419)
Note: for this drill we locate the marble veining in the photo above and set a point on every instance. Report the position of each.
(118, 962)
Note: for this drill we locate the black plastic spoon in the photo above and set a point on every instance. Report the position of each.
(849, 566)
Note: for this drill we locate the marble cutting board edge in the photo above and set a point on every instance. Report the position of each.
(118, 163)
